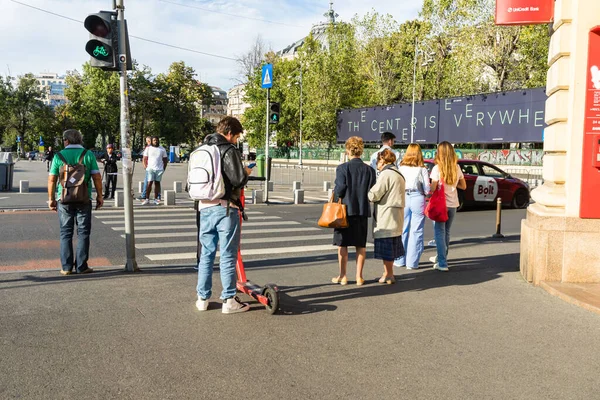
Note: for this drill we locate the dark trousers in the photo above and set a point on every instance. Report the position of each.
(110, 180)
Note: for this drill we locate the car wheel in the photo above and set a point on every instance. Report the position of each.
(520, 199)
(461, 200)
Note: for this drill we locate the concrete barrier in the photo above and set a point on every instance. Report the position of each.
(257, 197)
(296, 185)
(178, 186)
(270, 186)
(329, 193)
(140, 187)
(326, 186)
(119, 198)
(169, 197)
(299, 196)
(24, 186)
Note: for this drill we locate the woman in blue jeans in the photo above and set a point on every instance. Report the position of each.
(417, 186)
(447, 171)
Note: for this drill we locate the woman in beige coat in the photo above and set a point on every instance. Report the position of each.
(388, 196)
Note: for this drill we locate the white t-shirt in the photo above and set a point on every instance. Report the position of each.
(155, 157)
(417, 178)
(450, 190)
(374, 157)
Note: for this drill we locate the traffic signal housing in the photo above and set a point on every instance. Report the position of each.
(274, 110)
(103, 43)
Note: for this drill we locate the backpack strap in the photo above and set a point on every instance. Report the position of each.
(62, 158)
(82, 156)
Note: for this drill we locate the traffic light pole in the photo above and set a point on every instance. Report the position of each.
(131, 265)
(267, 148)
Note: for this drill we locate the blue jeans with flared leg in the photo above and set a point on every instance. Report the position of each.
(441, 234)
(218, 227)
(412, 232)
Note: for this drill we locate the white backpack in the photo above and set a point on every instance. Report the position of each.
(205, 178)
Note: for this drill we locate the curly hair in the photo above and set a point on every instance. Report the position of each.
(355, 146)
(387, 156)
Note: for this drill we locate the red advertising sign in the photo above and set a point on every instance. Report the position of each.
(590, 161)
(524, 12)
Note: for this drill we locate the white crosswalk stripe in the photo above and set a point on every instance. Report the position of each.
(263, 237)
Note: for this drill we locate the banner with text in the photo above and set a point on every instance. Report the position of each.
(505, 117)
(524, 12)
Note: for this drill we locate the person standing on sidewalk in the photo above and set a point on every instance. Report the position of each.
(48, 156)
(388, 196)
(145, 186)
(221, 221)
(155, 161)
(74, 213)
(417, 187)
(111, 170)
(446, 171)
(387, 140)
(353, 179)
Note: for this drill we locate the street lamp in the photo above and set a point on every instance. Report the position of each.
(427, 62)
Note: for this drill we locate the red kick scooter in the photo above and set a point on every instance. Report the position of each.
(267, 295)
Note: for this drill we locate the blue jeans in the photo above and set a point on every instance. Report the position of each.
(145, 186)
(412, 232)
(68, 216)
(441, 234)
(218, 227)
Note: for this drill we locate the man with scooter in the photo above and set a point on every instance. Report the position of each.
(219, 211)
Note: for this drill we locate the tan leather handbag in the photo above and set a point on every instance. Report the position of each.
(334, 215)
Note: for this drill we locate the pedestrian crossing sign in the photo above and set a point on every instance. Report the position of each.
(267, 76)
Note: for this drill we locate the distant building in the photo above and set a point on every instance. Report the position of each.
(236, 105)
(218, 109)
(53, 88)
(319, 32)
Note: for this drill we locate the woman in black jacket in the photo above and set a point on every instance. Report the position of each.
(353, 179)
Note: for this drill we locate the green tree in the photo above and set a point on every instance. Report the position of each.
(142, 99)
(179, 98)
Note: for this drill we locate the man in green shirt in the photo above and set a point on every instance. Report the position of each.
(69, 213)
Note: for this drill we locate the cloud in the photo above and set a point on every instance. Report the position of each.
(34, 41)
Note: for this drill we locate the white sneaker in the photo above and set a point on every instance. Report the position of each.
(202, 305)
(234, 305)
(437, 266)
(157, 201)
(433, 259)
(145, 202)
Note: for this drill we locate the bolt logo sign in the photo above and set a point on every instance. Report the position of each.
(485, 189)
(524, 12)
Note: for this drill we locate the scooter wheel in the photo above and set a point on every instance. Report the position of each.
(271, 294)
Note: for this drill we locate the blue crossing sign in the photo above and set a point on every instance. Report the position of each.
(267, 76)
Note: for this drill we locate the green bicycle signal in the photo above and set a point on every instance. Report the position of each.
(100, 51)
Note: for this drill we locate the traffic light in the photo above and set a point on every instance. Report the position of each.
(103, 43)
(274, 109)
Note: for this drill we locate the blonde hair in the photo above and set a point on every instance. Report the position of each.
(446, 160)
(413, 156)
(355, 146)
(387, 156)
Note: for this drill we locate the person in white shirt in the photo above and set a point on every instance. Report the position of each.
(155, 161)
(417, 187)
(447, 172)
(387, 140)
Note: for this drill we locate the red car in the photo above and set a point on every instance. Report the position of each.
(486, 182)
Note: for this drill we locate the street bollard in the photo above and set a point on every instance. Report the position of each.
(299, 196)
(140, 187)
(270, 185)
(329, 193)
(498, 219)
(119, 199)
(296, 185)
(257, 196)
(169, 197)
(24, 186)
(178, 186)
(326, 185)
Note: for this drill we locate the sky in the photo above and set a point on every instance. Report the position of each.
(32, 41)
